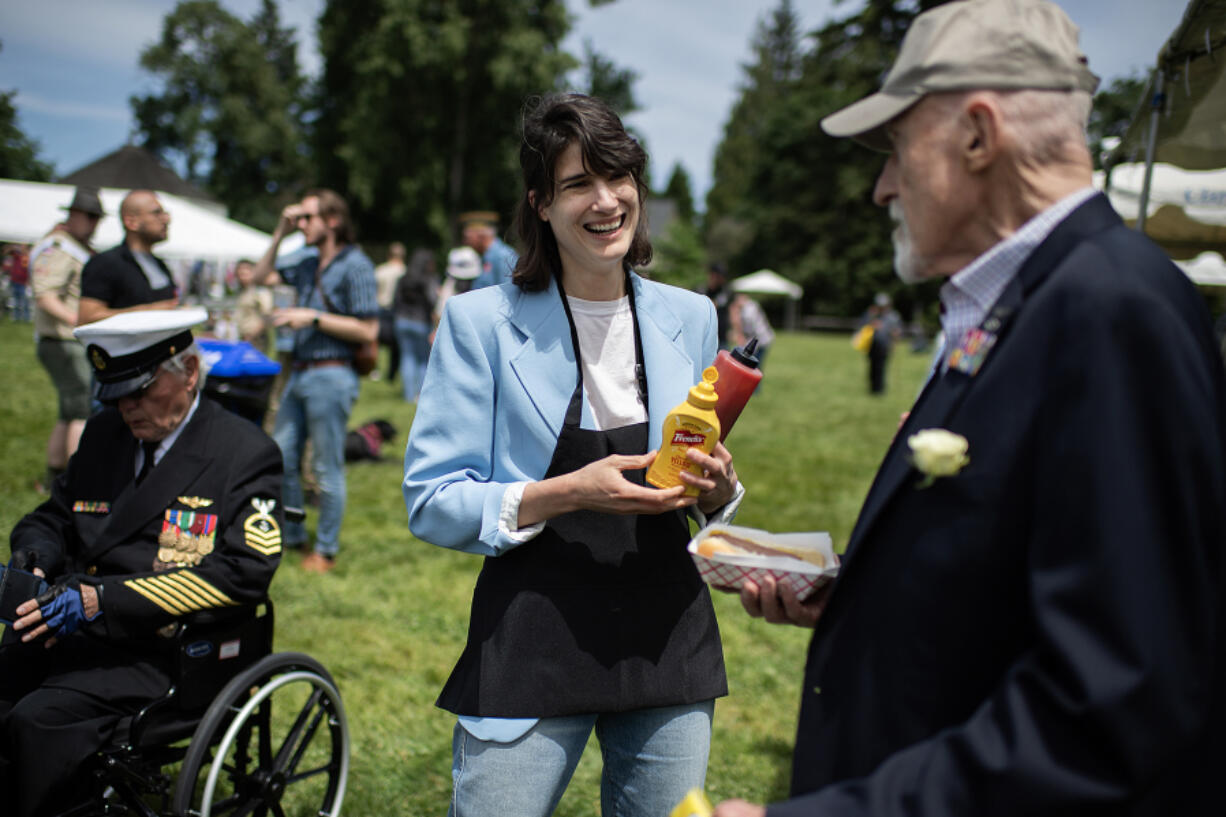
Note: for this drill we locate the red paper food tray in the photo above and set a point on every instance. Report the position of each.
(730, 571)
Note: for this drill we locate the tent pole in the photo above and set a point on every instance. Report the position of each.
(1156, 106)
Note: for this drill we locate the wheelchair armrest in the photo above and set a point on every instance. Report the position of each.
(209, 649)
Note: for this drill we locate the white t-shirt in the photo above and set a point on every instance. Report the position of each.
(606, 348)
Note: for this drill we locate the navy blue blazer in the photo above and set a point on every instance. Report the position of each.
(1043, 633)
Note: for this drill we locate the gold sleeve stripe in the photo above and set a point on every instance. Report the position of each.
(180, 592)
(186, 597)
(191, 583)
(169, 605)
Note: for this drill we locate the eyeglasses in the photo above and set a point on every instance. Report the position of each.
(305, 216)
(137, 395)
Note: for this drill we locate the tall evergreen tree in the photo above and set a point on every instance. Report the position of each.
(604, 79)
(777, 51)
(679, 190)
(788, 197)
(420, 102)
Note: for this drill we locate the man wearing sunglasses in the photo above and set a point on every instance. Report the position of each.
(170, 507)
(130, 276)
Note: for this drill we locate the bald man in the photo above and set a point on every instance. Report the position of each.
(130, 276)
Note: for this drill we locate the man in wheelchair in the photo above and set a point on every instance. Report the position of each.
(171, 506)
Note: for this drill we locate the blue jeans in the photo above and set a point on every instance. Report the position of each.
(414, 340)
(20, 302)
(315, 405)
(652, 757)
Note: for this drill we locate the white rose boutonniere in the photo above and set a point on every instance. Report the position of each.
(936, 452)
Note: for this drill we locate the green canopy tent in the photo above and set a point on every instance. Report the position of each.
(1185, 124)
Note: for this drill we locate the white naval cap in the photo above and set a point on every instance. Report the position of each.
(125, 350)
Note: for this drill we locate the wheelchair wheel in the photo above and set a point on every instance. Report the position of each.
(274, 742)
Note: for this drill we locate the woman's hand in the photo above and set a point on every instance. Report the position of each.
(718, 485)
(599, 486)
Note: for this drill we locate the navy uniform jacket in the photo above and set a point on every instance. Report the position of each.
(201, 532)
(1043, 633)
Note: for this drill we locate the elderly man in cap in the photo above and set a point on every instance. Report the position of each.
(130, 276)
(1029, 618)
(479, 230)
(55, 273)
(171, 506)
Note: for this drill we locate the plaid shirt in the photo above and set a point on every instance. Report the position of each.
(350, 282)
(973, 290)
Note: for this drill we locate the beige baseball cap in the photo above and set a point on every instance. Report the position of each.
(967, 45)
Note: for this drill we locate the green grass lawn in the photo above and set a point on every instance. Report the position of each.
(390, 621)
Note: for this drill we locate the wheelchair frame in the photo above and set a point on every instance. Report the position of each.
(240, 759)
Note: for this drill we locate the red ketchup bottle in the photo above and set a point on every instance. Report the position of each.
(739, 375)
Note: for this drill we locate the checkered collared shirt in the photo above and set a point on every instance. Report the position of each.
(973, 290)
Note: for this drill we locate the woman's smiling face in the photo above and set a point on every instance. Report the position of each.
(593, 217)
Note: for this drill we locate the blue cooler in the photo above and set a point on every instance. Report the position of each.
(240, 376)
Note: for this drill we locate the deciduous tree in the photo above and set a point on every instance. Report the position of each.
(230, 106)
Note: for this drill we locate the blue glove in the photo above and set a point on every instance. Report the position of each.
(62, 609)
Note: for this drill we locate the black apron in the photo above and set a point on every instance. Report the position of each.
(598, 613)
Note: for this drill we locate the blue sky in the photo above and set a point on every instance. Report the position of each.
(74, 63)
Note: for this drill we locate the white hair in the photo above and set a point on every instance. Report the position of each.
(1048, 126)
(177, 364)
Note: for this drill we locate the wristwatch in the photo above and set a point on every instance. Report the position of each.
(315, 321)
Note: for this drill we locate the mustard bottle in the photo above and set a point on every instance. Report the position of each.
(693, 424)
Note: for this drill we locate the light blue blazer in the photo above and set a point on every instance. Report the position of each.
(500, 376)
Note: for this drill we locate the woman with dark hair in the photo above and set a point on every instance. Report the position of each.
(413, 308)
(543, 400)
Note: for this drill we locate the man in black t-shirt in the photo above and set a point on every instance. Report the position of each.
(130, 276)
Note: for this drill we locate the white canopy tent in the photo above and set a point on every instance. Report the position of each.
(1207, 269)
(1185, 210)
(765, 282)
(769, 282)
(28, 210)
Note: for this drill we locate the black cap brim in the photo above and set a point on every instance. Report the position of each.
(112, 392)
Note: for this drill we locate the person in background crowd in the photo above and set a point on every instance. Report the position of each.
(887, 327)
(55, 266)
(1030, 615)
(387, 275)
(528, 448)
(747, 320)
(115, 544)
(413, 304)
(130, 276)
(253, 308)
(480, 231)
(463, 266)
(717, 290)
(17, 270)
(335, 282)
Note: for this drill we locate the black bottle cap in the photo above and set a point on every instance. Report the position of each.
(745, 354)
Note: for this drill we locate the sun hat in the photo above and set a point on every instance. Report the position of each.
(86, 200)
(463, 263)
(968, 45)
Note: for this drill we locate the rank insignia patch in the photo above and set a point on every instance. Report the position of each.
(81, 506)
(195, 502)
(186, 538)
(260, 531)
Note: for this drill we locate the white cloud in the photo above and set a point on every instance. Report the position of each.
(72, 110)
